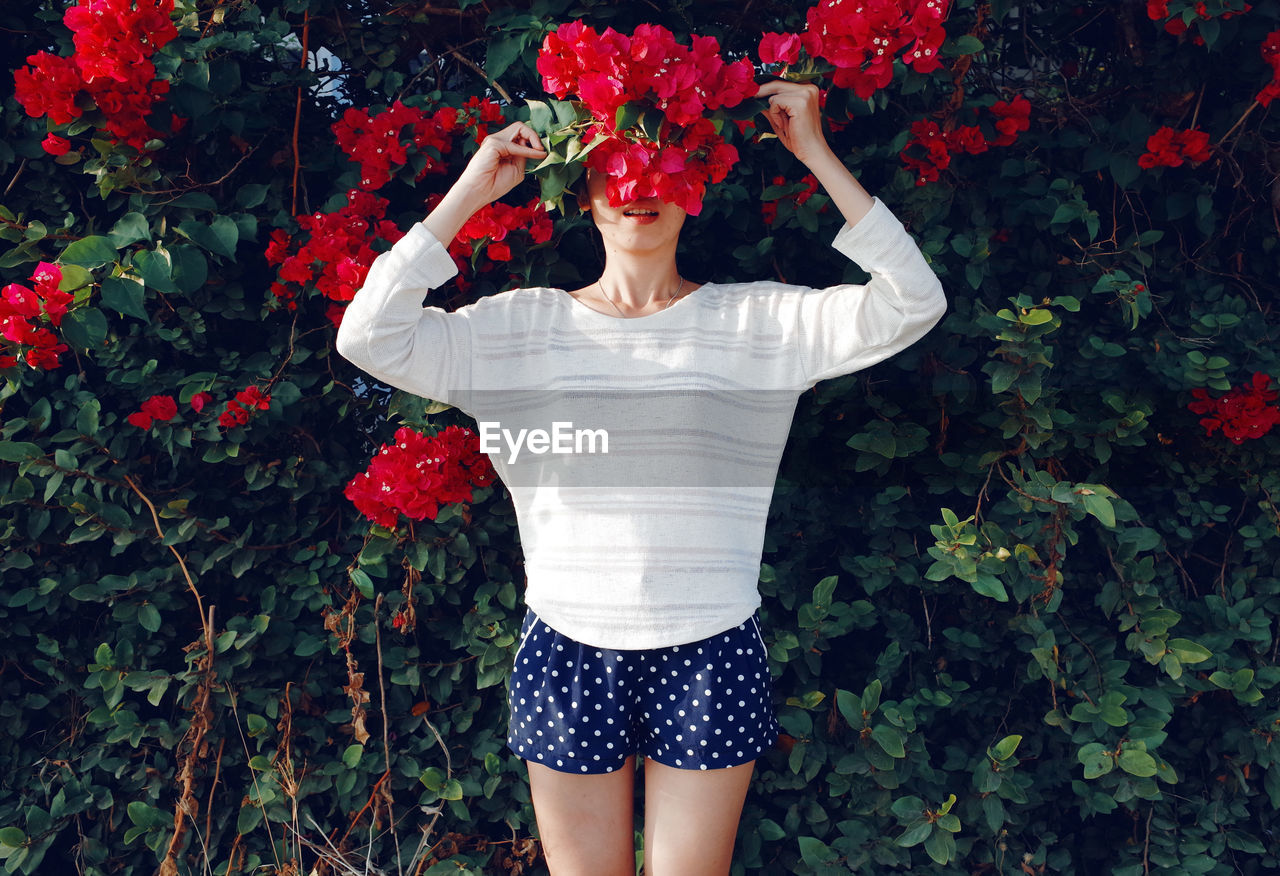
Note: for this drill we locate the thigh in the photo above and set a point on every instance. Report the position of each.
(691, 818)
(586, 822)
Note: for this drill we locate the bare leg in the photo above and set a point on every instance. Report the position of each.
(691, 818)
(586, 822)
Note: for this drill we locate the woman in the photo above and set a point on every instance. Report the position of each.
(641, 636)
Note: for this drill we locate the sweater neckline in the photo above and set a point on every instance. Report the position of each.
(592, 313)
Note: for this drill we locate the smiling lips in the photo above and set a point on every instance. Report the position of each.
(643, 217)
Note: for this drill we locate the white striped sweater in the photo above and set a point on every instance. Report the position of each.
(658, 541)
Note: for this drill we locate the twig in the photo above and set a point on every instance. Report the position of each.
(297, 109)
(1239, 121)
(386, 743)
(477, 68)
(17, 173)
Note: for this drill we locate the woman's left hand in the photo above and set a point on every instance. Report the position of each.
(794, 116)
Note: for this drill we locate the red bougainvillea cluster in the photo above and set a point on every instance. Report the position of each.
(769, 209)
(1169, 148)
(609, 70)
(478, 113)
(158, 408)
(494, 223)
(1244, 412)
(377, 142)
(1271, 54)
(1158, 10)
(239, 409)
(418, 473)
(163, 408)
(1012, 117)
(336, 254)
(114, 42)
(861, 38)
(20, 306)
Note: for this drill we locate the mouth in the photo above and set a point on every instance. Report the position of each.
(640, 213)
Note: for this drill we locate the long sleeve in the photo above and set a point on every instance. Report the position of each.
(389, 334)
(849, 327)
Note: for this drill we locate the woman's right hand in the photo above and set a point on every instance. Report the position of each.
(498, 165)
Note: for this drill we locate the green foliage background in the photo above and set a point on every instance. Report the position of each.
(1005, 567)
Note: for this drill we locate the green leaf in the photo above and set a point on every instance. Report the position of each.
(149, 618)
(248, 819)
(190, 268)
(89, 252)
(220, 236)
(125, 296)
(363, 583)
(815, 852)
(1188, 651)
(502, 52)
(889, 739)
(18, 451)
(871, 696)
(627, 115)
(540, 116)
(351, 755)
(1003, 374)
(129, 228)
(251, 195)
(1137, 763)
(991, 586)
(156, 269)
(1100, 507)
(87, 417)
(74, 277)
(916, 834)
(1005, 748)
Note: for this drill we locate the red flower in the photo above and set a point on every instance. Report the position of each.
(1168, 148)
(377, 141)
(966, 138)
(335, 258)
(863, 43)
(778, 48)
(114, 41)
(252, 398)
(199, 400)
(609, 70)
(1242, 413)
(160, 407)
(1014, 115)
(55, 145)
(238, 409)
(157, 408)
(494, 223)
(418, 473)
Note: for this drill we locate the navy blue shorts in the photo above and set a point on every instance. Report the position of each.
(582, 709)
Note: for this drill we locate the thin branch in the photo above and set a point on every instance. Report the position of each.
(483, 75)
(297, 109)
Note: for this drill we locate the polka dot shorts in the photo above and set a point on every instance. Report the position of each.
(581, 709)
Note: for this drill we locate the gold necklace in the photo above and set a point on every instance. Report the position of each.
(673, 297)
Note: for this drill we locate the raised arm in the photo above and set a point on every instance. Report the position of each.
(848, 327)
(386, 331)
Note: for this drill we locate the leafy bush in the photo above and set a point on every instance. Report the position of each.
(1019, 600)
